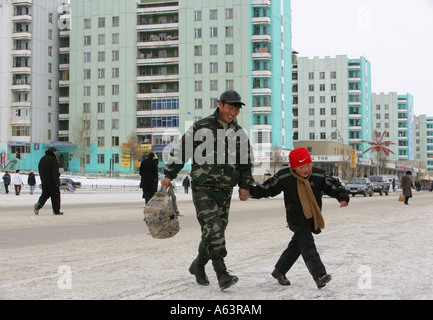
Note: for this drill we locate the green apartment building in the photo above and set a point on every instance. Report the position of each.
(149, 69)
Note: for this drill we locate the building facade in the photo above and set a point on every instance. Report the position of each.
(29, 77)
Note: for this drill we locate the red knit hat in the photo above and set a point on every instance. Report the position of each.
(299, 157)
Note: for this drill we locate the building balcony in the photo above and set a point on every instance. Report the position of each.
(262, 127)
(158, 10)
(354, 80)
(22, 2)
(65, 33)
(64, 83)
(22, 87)
(64, 66)
(261, 55)
(21, 36)
(64, 50)
(354, 91)
(24, 139)
(262, 74)
(261, 20)
(154, 113)
(355, 140)
(261, 3)
(262, 91)
(158, 44)
(21, 70)
(22, 18)
(158, 95)
(355, 128)
(261, 38)
(158, 27)
(64, 116)
(157, 61)
(21, 104)
(354, 67)
(158, 78)
(21, 53)
(355, 116)
(355, 103)
(262, 109)
(63, 100)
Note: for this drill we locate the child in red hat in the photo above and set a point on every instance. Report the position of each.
(302, 185)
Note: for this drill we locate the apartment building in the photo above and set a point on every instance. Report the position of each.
(149, 69)
(424, 140)
(28, 80)
(332, 100)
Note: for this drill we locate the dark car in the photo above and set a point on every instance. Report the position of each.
(64, 183)
(380, 184)
(360, 186)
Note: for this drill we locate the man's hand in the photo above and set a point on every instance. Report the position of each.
(166, 182)
(343, 204)
(244, 194)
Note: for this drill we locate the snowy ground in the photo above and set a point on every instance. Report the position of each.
(377, 248)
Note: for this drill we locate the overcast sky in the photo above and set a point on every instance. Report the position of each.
(396, 36)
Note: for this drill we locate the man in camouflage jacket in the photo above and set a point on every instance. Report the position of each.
(221, 158)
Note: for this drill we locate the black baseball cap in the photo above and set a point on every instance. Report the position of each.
(231, 97)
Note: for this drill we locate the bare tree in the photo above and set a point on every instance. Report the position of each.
(81, 136)
(277, 157)
(132, 149)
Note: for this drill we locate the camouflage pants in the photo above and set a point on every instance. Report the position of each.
(212, 208)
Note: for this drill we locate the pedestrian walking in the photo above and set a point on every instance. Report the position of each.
(219, 150)
(31, 181)
(17, 181)
(393, 184)
(7, 181)
(186, 184)
(302, 185)
(50, 178)
(149, 176)
(407, 185)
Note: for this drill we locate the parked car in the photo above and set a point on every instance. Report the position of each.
(380, 184)
(360, 186)
(64, 183)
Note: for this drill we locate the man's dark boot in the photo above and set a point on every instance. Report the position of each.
(280, 277)
(225, 280)
(197, 269)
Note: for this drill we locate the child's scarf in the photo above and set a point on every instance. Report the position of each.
(308, 201)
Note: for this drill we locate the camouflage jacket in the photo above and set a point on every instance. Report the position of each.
(220, 158)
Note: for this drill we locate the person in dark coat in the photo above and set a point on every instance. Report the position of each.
(407, 185)
(186, 184)
(7, 181)
(31, 181)
(50, 178)
(302, 185)
(149, 176)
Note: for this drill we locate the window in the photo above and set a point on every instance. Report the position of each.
(101, 107)
(101, 157)
(87, 74)
(312, 124)
(333, 75)
(197, 85)
(116, 21)
(213, 15)
(197, 68)
(101, 56)
(229, 32)
(87, 91)
(311, 87)
(115, 38)
(333, 87)
(198, 104)
(213, 49)
(101, 124)
(87, 57)
(213, 32)
(101, 23)
(197, 33)
(214, 85)
(115, 107)
(229, 49)
(333, 98)
(86, 107)
(311, 75)
(115, 124)
(310, 100)
(101, 73)
(322, 75)
(101, 39)
(87, 23)
(214, 67)
(115, 73)
(197, 15)
(229, 67)
(115, 142)
(322, 87)
(87, 40)
(229, 13)
(322, 99)
(101, 90)
(115, 55)
(323, 123)
(198, 51)
(213, 103)
(230, 85)
(311, 112)
(115, 90)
